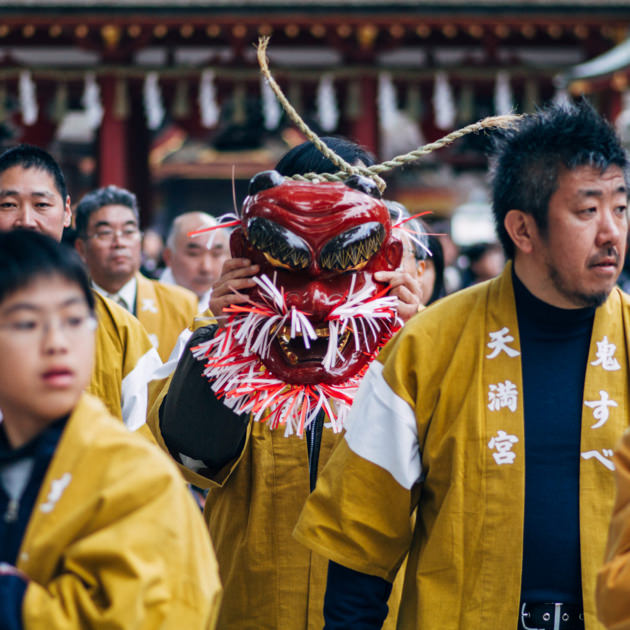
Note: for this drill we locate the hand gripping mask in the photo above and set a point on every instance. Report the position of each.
(317, 317)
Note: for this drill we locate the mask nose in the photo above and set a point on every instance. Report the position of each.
(313, 299)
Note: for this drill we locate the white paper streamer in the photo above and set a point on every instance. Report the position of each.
(387, 101)
(327, 110)
(503, 101)
(443, 104)
(153, 107)
(28, 98)
(208, 106)
(272, 113)
(561, 97)
(91, 101)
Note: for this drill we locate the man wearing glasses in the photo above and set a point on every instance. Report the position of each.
(109, 241)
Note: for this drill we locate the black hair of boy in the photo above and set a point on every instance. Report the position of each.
(26, 255)
(28, 156)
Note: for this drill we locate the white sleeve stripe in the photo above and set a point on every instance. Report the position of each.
(171, 363)
(381, 428)
(134, 393)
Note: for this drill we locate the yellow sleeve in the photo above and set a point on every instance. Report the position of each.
(359, 513)
(613, 580)
(111, 574)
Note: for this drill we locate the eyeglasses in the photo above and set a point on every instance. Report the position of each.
(29, 328)
(107, 235)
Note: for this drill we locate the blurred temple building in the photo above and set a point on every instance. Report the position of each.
(165, 97)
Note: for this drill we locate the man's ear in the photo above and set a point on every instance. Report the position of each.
(421, 265)
(67, 213)
(521, 227)
(167, 255)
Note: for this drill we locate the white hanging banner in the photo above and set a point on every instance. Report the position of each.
(387, 101)
(327, 110)
(443, 103)
(208, 106)
(28, 98)
(153, 107)
(91, 101)
(272, 113)
(561, 97)
(503, 101)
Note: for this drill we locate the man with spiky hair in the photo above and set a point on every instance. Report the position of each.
(495, 412)
(33, 196)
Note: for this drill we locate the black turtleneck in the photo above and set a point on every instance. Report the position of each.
(554, 353)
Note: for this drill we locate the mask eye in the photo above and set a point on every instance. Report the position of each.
(353, 249)
(278, 245)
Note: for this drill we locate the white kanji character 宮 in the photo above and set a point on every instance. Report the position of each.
(503, 444)
(605, 355)
(503, 395)
(600, 408)
(498, 342)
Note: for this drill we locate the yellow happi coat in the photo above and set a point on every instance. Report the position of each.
(115, 539)
(124, 362)
(438, 424)
(270, 581)
(164, 311)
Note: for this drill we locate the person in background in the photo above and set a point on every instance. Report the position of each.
(258, 480)
(432, 280)
(152, 250)
(613, 579)
(109, 241)
(98, 530)
(415, 241)
(33, 196)
(485, 261)
(195, 262)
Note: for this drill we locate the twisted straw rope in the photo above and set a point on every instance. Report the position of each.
(345, 169)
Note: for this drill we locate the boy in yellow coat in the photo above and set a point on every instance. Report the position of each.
(98, 529)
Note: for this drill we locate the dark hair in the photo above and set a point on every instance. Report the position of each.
(28, 156)
(307, 158)
(97, 199)
(26, 255)
(529, 158)
(437, 256)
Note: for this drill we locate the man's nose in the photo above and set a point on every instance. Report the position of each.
(26, 218)
(611, 227)
(54, 338)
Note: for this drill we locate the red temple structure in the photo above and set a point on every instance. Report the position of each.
(165, 98)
